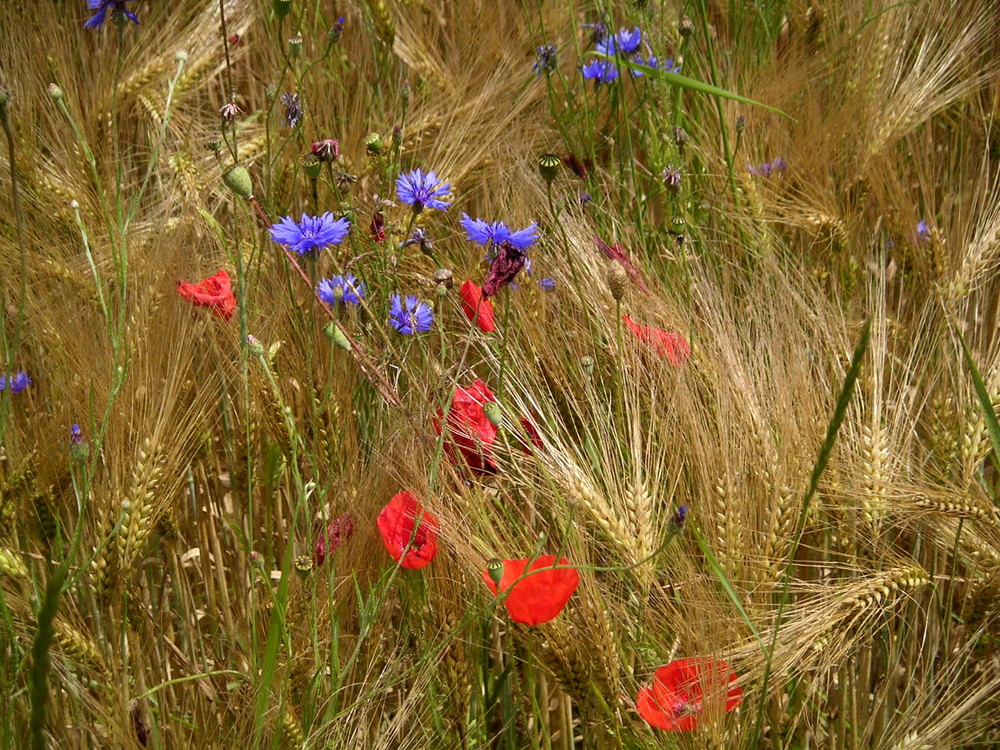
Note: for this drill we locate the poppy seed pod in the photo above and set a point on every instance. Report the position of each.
(237, 179)
(548, 166)
(337, 336)
(311, 165)
(373, 144)
(281, 7)
(587, 363)
(492, 411)
(494, 568)
(617, 280)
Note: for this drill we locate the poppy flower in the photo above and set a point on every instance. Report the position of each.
(396, 525)
(477, 308)
(534, 437)
(539, 596)
(681, 689)
(469, 429)
(669, 345)
(215, 292)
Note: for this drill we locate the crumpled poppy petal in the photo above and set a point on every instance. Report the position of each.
(396, 524)
(540, 596)
(471, 435)
(215, 292)
(477, 308)
(673, 346)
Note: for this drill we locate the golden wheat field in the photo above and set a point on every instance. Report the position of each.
(554, 374)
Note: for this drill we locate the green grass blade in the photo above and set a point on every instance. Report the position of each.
(985, 402)
(676, 79)
(825, 451)
(726, 585)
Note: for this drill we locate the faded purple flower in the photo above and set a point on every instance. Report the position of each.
(338, 532)
(293, 109)
(507, 264)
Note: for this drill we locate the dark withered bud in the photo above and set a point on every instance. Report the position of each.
(672, 178)
(443, 277)
(505, 266)
(741, 124)
(686, 27)
(336, 30)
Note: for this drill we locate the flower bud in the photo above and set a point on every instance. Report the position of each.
(55, 92)
(494, 568)
(397, 136)
(443, 277)
(373, 144)
(442, 292)
(548, 166)
(281, 7)
(492, 411)
(617, 280)
(587, 363)
(336, 30)
(337, 336)
(741, 124)
(256, 348)
(686, 27)
(237, 179)
(311, 165)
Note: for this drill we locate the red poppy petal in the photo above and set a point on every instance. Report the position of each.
(396, 522)
(541, 596)
(477, 308)
(650, 711)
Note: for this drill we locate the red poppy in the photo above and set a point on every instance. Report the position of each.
(378, 226)
(682, 689)
(215, 292)
(538, 597)
(669, 345)
(396, 525)
(469, 430)
(534, 438)
(338, 532)
(477, 308)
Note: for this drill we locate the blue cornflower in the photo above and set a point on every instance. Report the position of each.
(18, 382)
(76, 434)
(624, 42)
(483, 232)
(312, 234)
(923, 231)
(547, 284)
(767, 168)
(422, 191)
(410, 315)
(101, 7)
(545, 62)
(602, 71)
(344, 288)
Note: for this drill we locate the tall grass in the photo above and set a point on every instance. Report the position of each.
(158, 580)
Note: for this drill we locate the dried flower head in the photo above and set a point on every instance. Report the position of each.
(293, 109)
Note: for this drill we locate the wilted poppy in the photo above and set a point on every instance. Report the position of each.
(396, 524)
(215, 292)
(338, 532)
(507, 264)
(477, 308)
(540, 596)
(669, 345)
(378, 226)
(681, 690)
(469, 429)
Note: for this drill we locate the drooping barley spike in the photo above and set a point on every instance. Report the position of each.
(562, 657)
(875, 457)
(580, 489)
(140, 506)
(291, 730)
(77, 646)
(984, 600)
(873, 591)
(12, 564)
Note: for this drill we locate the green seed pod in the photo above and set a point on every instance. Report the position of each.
(237, 179)
(492, 411)
(311, 165)
(337, 336)
(281, 7)
(494, 568)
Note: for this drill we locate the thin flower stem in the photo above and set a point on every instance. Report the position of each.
(15, 195)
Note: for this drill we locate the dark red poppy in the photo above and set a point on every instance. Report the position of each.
(469, 430)
(539, 596)
(685, 688)
(338, 532)
(215, 292)
(476, 307)
(378, 226)
(617, 252)
(579, 167)
(534, 438)
(505, 266)
(669, 345)
(235, 40)
(396, 524)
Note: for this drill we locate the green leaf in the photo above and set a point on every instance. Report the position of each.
(985, 402)
(676, 79)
